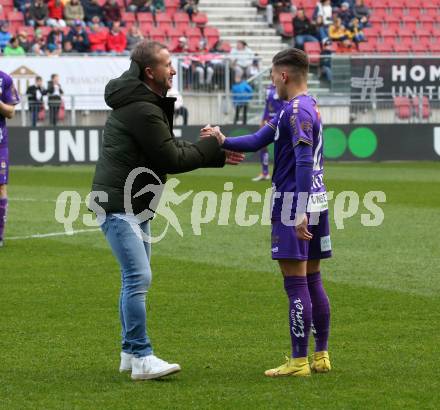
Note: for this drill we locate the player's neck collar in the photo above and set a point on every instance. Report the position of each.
(305, 92)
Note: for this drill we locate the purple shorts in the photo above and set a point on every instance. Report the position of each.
(286, 245)
(4, 166)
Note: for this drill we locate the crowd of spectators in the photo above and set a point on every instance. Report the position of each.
(338, 21)
(54, 27)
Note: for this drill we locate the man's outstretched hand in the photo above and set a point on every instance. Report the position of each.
(209, 131)
(233, 158)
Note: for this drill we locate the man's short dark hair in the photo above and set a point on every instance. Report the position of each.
(38, 78)
(145, 53)
(293, 58)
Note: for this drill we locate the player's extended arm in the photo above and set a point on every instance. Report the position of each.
(7, 110)
(252, 142)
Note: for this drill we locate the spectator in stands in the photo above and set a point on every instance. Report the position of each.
(98, 36)
(92, 8)
(134, 36)
(39, 46)
(324, 9)
(274, 8)
(55, 93)
(337, 32)
(179, 108)
(325, 62)
(35, 95)
(345, 14)
(362, 12)
(38, 14)
(140, 6)
(355, 31)
(55, 39)
(189, 6)
(5, 35)
(241, 57)
(116, 39)
(182, 46)
(111, 12)
(13, 48)
(56, 13)
(158, 6)
(67, 47)
(320, 30)
(78, 37)
(23, 39)
(24, 6)
(303, 29)
(73, 10)
(255, 67)
(241, 95)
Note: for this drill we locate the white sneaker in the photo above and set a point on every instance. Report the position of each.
(261, 177)
(151, 367)
(125, 365)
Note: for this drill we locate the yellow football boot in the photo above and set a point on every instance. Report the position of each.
(321, 362)
(293, 367)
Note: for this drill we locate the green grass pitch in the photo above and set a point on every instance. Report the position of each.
(217, 304)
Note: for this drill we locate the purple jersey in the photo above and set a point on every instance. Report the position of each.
(273, 104)
(8, 95)
(298, 121)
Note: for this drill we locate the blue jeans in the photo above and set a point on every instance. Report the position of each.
(133, 255)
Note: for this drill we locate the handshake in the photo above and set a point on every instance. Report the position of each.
(232, 158)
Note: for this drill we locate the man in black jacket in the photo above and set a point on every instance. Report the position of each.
(138, 150)
(35, 95)
(303, 30)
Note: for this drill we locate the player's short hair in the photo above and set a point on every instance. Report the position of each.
(295, 59)
(145, 53)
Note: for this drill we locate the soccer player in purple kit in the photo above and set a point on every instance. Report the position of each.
(8, 100)
(298, 243)
(272, 107)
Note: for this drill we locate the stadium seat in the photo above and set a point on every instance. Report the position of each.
(409, 22)
(287, 30)
(163, 19)
(212, 35)
(193, 33)
(129, 18)
(181, 19)
(200, 19)
(262, 4)
(426, 109)
(157, 34)
(174, 32)
(367, 47)
(402, 107)
(145, 18)
(285, 18)
(384, 47)
(313, 49)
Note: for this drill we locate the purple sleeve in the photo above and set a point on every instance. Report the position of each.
(304, 171)
(253, 142)
(301, 124)
(9, 94)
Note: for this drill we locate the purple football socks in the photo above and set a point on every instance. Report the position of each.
(300, 313)
(320, 311)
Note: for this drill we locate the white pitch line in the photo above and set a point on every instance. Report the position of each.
(39, 200)
(47, 235)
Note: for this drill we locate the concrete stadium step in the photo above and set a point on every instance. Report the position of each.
(245, 31)
(230, 3)
(214, 20)
(229, 11)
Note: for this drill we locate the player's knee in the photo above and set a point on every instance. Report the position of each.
(313, 266)
(3, 191)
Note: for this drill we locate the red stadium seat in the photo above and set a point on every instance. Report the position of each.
(425, 109)
(163, 18)
(200, 19)
(262, 3)
(385, 47)
(287, 29)
(145, 18)
(157, 34)
(146, 28)
(181, 19)
(435, 47)
(402, 107)
(367, 47)
(313, 50)
(15, 17)
(175, 32)
(193, 32)
(212, 35)
(129, 18)
(285, 18)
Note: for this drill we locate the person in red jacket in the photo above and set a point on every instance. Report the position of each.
(98, 38)
(56, 10)
(116, 40)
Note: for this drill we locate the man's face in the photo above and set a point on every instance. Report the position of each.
(279, 78)
(163, 72)
(39, 82)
